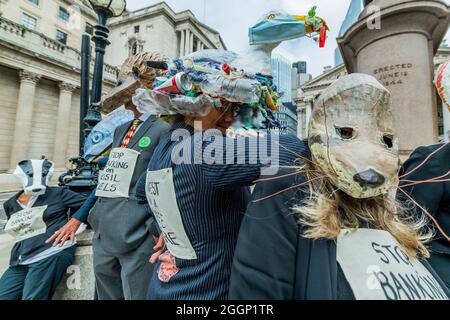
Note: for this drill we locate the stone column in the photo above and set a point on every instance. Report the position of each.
(62, 124)
(301, 122)
(182, 41)
(187, 43)
(191, 42)
(399, 53)
(24, 116)
(199, 43)
(308, 110)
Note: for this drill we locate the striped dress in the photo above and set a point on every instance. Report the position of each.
(212, 199)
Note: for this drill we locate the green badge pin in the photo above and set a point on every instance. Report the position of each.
(144, 142)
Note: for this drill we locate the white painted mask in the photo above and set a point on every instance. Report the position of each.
(34, 175)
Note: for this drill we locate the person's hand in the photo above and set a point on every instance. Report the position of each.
(159, 248)
(67, 231)
(97, 159)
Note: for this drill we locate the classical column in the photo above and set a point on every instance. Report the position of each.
(308, 110)
(62, 124)
(182, 40)
(187, 42)
(300, 122)
(191, 42)
(24, 115)
(199, 43)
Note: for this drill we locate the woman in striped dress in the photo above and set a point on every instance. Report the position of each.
(198, 201)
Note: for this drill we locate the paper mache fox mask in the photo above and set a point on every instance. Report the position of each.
(352, 136)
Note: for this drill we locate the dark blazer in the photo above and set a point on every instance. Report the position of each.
(121, 223)
(59, 201)
(435, 197)
(273, 261)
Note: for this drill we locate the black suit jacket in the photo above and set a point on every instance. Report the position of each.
(273, 261)
(59, 201)
(434, 197)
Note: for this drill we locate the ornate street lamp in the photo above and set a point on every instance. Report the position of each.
(82, 175)
(104, 9)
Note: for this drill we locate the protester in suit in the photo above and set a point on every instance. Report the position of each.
(433, 197)
(35, 213)
(201, 205)
(122, 243)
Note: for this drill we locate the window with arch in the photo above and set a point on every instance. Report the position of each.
(135, 46)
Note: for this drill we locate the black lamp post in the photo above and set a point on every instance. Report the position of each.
(82, 175)
(104, 9)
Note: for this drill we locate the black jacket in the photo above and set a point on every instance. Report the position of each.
(273, 261)
(434, 197)
(59, 201)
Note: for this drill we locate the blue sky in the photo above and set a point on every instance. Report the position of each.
(232, 18)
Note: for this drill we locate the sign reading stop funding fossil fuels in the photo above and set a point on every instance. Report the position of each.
(26, 223)
(114, 180)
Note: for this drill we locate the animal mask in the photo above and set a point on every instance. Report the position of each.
(34, 175)
(134, 74)
(102, 135)
(277, 26)
(352, 136)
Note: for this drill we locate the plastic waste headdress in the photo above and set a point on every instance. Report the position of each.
(194, 84)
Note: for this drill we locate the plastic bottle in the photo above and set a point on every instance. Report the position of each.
(241, 90)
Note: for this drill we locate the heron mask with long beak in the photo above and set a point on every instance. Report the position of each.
(277, 25)
(352, 136)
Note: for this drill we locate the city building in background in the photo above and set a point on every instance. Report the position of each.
(354, 10)
(159, 28)
(287, 116)
(310, 91)
(282, 74)
(40, 42)
(288, 77)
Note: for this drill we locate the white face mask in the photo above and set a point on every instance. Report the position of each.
(34, 175)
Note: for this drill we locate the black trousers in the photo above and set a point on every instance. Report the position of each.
(37, 281)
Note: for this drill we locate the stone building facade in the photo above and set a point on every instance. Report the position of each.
(159, 28)
(40, 61)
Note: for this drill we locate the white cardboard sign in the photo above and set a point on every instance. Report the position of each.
(26, 223)
(160, 192)
(377, 268)
(115, 179)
